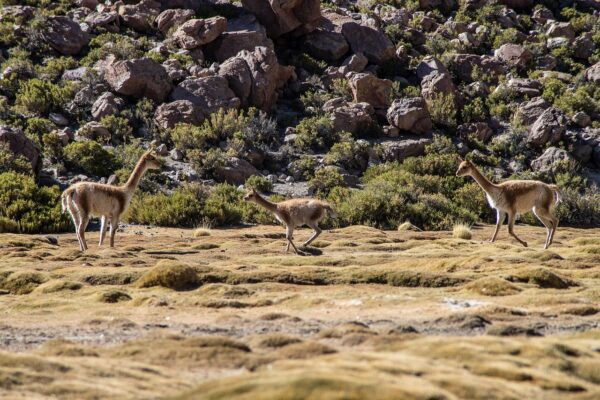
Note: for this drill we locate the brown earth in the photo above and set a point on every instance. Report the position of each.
(364, 314)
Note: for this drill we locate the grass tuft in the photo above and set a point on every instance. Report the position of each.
(170, 274)
(408, 226)
(462, 231)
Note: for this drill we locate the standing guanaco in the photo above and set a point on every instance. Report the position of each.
(518, 196)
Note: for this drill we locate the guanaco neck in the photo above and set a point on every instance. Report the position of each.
(136, 175)
(265, 203)
(484, 182)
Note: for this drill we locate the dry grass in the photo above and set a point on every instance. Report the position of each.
(375, 314)
(462, 231)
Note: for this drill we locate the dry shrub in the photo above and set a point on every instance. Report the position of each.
(542, 277)
(305, 350)
(23, 282)
(276, 340)
(54, 286)
(493, 286)
(170, 274)
(113, 296)
(462, 231)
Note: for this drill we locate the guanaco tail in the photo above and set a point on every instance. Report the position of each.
(85, 199)
(293, 213)
(516, 197)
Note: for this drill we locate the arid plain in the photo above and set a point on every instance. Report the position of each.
(225, 313)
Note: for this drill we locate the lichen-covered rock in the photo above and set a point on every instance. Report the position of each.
(210, 93)
(64, 35)
(167, 115)
(354, 117)
(592, 74)
(108, 20)
(548, 128)
(142, 77)
(370, 89)
(561, 29)
(410, 115)
(529, 111)
(197, 32)
(17, 142)
(281, 17)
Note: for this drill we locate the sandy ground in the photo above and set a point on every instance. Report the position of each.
(364, 314)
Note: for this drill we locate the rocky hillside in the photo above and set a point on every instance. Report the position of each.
(301, 98)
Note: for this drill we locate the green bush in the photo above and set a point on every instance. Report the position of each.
(187, 136)
(91, 157)
(55, 67)
(474, 111)
(119, 128)
(325, 180)
(303, 60)
(442, 108)
(10, 161)
(259, 183)
(315, 133)
(348, 153)
(39, 97)
(304, 167)
(37, 128)
(121, 46)
(28, 208)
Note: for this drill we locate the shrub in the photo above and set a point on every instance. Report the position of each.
(461, 231)
(315, 133)
(303, 60)
(27, 208)
(442, 108)
(53, 147)
(259, 183)
(325, 180)
(121, 46)
(10, 161)
(170, 274)
(55, 67)
(38, 97)
(37, 128)
(348, 153)
(119, 127)
(91, 157)
(207, 162)
(303, 168)
(475, 111)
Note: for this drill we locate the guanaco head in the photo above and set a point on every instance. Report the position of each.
(464, 168)
(150, 160)
(251, 194)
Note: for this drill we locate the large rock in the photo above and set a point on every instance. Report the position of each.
(197, 32)
(399, 150)
(139, 78)
(168, 115)
(551, 156)
(430, 65)
(523, 87)
(410, 114)
(281, 17)
(64, 35)
(465, 64)
(548, 128)
(255, 76)
(514, 55)
(236, 171)
(561, 29)
(106, 104)
(479, 130)
(371, 42)
(18, 143)
(243, 33)
(438, 84)
(108, 20)
(370, 89)
(140, 16)
(172, 19)
(210, 93)
(529, 111)
(354, 117)
(593, 73)
(326, 45)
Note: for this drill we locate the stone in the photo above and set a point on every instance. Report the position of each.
(354, 118)
(370, 89)
(529, 111)
(108, 20)
(548, 128)
(514, 55)
(161, 150)
(464, 65)
(289, 16)
(65, 135)
(91, 4)
(584, 46)
(243, 33)
(18, 143)
(58, 119)
(551, 156)
(64, 35)
(354, 63)
(410, 114)
(524, 87)
(140, 16)
(479, 130)
(210, 93)
(106, 104)
(436, 84)
(430, 65)
(236, 171)
(373, 43)
(95, 131)
(175, 70)
(329, 46)
(256, 76)
(167, 115)
(401, 149)
(142, 77)
(173, 19)
(582, 119)
(76, 74)
(197, 32)
(561, 29)
(592, 74)
(176, 155)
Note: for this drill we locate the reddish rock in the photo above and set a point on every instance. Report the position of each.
(281, 17)
(64, 35)
(168, 115)
(197, 32)
(210, 93)
(370, 89)
(17, 142)
(142, 77)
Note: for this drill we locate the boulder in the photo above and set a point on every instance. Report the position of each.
(592, 74)
(514, 55)
(354, 63)
(243, 33)
(518, 4)
(91, 4)
(529, 111)
(548, 128)
(64, 35)
(329, 46)
(373, 43)
(142, 77)
(522, 87)
(108, 20)
(430, 65)
(401, 149)
(140, 16)
(236, 171)
(464, 64)
(17, 142)
(256, 76)
(410, 114)
(281, 17)
(167, 115)
(209, 93)
(354, 118)
(172, 18)
(197, 32)
(106, 104)
(584, 46)
(370, 89)
(95, 131)
(175, 70)
(561, 29)
(478, 130)
(551, 156)
(437, 84)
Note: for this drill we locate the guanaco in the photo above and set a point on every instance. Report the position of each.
(85, 199)
(514, 197)
(293, 213)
